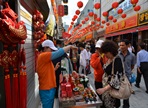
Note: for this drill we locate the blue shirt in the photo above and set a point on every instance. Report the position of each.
(57, 54)
(142, 56)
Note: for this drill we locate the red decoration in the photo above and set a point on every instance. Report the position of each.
(75, 16)
(123, 15)
(110, 17)
(80, 4)
(114, 20)
(83, 22)
(103, 21)
(86, 19)
(137, 8)
(107, 23)
(115, 5)
(120, 11)
(105, 14)
(93, 22)
(61, 10)
(72, 23)
(77, 12)
(97, 6)
(134, 2)
(90, 14)
(95, 16)
(73, 19)
(98, 19)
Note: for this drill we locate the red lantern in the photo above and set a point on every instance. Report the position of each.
(77, 12)
(98, 19)
(80, 25)
(86, 19)
(120, 11)
(98, 25)
(83, 22)
(80, 4)
(105, 14)
(103, 21)
(102, 26)
(115, 5)
(97, 6)
(107, 23)
(93, 22)
(72, 23)
(137, 8)
(134, 2)
(123, 15)
(90, 14)
(95, 16)
(73, 19)
(114, 20)
(110, 17)
(75, 16)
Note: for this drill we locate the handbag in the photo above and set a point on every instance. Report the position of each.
(125, 89)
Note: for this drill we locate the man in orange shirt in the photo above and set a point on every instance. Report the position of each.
(97, 60)
(46, 72)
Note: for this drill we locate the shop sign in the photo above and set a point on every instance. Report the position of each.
(143, 18)
(123, 24)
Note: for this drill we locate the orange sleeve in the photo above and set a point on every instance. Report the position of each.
(94, 61)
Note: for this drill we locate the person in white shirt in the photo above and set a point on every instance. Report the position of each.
(83, 58)
(131, 48)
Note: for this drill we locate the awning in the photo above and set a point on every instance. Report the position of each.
(132, 30)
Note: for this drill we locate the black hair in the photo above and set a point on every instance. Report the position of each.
(58, 42)
(142, 45)
(81, 45)
(109, 46)
(126, 41)
(40, 48)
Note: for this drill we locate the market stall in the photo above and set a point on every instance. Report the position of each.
(77, 92)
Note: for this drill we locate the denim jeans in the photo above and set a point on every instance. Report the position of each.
(47, 97)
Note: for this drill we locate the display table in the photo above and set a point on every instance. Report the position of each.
(71, 103)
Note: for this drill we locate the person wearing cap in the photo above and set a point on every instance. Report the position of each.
(97, 60)
(46, 72)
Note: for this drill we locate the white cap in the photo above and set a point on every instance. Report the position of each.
(99, 43)
(50, 44)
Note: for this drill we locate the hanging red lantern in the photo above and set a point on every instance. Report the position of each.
(102, 26)
(134, 2)
(83, 22)
(86, 19)
(95, 16)
(137, 8)
(105, 14)
(72, 23)
(110, 17)
(107, 23)
(97, 6)
(80, 25)
(114, 20)
(98, 25)
(115, 5)
(73, 19)
(77, 12)
(93, 22)
(103, 21)
(98, 19)
(120, 11)
(75, 16)
(90, 14)
(123, 15)
(80, 4)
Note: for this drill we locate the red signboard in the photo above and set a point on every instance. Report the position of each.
(61, 10)
(66, 35)
(124, 24)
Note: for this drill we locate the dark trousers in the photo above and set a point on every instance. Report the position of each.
(144, 70)
(126, 103)
(57, 83)
(97, 86)
(138, 79)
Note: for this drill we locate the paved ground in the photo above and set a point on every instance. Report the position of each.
(137, 100)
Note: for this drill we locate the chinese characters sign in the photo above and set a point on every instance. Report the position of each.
(123, 24)
(143, 18)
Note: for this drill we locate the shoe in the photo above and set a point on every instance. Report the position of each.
(146, 92)
(137, 85)
(133, 92)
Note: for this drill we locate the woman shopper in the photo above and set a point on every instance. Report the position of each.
(46, 72)
(110, 49)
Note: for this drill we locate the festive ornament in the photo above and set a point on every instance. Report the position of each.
(105, 14)
(134, 2)
(120, 11)
(83, 22)
(86, 19)
(97, 6)
(137, 8)
(80, 4)
(107, 23)
(123, 15)
(103, 21)
(115, 5)
(114, 20)
(90, 14)
(110, 17)
(92, 22)
(98, 19)
(77, 12)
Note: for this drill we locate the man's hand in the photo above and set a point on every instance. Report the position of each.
(57, 66)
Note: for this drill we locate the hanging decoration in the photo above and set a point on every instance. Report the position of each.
(92, 22)
(134, 2)
(72, 23)
(120, 11)
(86, 19)
(77, 12)
(80, 4)
(95, 16)
(98, 19)
(115, 5)
(105, 14)
(91, 14)
(103, 21)
(75, 16)
(137, 8)
(114, 20)
(123, 15)
(107, 23)
(110, 17)
(83, 22)
(97, 5)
